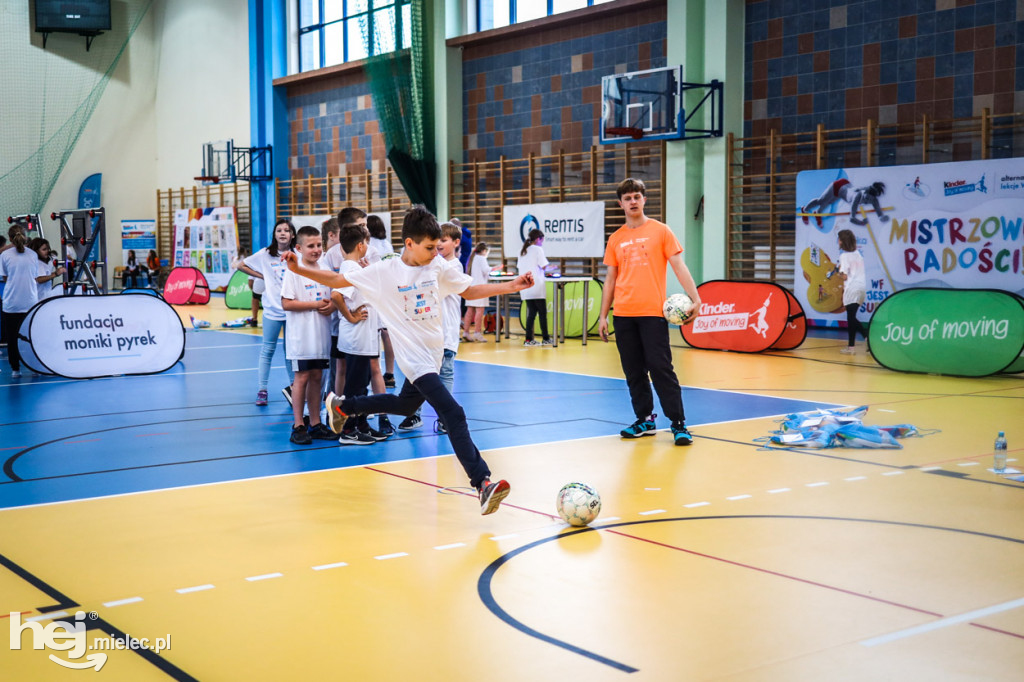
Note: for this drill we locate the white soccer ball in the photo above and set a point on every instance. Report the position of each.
(578, 504)
(677, 308)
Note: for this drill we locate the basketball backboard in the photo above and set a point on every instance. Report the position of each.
(642, 104)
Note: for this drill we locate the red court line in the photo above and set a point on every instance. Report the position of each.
(16, 447)
(715, 558)
(7, 615)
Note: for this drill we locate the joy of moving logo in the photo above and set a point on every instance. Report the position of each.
(60, 635)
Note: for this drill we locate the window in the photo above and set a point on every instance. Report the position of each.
(498, 13)
(333, 31)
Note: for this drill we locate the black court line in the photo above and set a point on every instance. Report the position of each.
(486, 577)
(65, 603)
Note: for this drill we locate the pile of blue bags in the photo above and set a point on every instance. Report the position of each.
(836, 428)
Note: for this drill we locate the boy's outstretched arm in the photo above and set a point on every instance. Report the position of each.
(334, 280)
(523, 281)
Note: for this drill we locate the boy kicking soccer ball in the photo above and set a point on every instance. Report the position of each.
(407, 292)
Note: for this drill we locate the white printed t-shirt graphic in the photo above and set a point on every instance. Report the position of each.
(408, 300)
(308, 333)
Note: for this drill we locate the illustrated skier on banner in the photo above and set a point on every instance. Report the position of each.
(842, 189)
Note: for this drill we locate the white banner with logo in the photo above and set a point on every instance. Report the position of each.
(950, 225)
(571, 230)
(138, 236)
(83, 337)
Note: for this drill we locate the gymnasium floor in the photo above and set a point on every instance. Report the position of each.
(171, 507)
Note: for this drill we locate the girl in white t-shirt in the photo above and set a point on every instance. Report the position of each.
(48, 269)
(479, 269)
(265, 265)
(18, 266)
(851, 269)
(532, 259)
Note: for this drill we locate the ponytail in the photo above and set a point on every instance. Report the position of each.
(477, 250)
(19, 240)
(531, 239)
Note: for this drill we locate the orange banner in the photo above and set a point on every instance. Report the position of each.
(748, 317)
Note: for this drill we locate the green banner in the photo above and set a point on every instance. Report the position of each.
(573, 308)
(961, 332)
(238, 295)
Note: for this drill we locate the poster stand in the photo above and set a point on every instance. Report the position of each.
(185, 286)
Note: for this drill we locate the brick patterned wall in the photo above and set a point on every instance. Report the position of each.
(892, 61)
(333, 128)
(541, 92)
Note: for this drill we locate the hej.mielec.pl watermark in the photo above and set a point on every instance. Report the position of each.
(61, 635)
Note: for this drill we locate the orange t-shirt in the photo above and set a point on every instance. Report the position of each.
(641, 255)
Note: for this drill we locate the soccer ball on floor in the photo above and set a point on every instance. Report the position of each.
(677, 308)
(578, 504)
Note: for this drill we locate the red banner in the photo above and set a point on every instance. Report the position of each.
(748, 317)
(186, 285)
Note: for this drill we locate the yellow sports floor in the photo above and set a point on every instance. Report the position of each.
(721, 561)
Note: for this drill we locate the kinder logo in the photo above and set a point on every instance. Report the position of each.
(721, 317)
(953, 187)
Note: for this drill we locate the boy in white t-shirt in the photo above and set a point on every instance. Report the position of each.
(407, 293)
(307, 307)
(358, 339)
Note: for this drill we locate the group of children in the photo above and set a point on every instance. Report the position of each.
(28, 270)
(414, 296)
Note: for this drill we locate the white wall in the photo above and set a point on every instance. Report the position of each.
(182, 81)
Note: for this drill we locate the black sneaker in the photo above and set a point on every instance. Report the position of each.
(410, 423)
(287, 391)
(384, 425)
(389, 380)
(300, 436)
(681, 435)
(354, 437)
(373, 433)
(439, 427)
(491, 495)
(321, 432)
(335, 417)
(644, 426)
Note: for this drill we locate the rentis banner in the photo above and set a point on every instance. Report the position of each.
(962, 332)
(85, 337)
(573, 292)
(948, 225)
(571, 230)
(186, 285)
(748, 317)
(238, 295)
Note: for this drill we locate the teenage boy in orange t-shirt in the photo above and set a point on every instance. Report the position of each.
(637, 255)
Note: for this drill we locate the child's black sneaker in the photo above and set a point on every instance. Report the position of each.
(410, 423)
(373, 433)
(384, 425)
(355, 437)
(491, 495)
(681, 435)
(287, 392)
(321, 432)
(300, 435)
(439, 427)
(644, 426)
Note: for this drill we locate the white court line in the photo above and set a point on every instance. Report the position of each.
(943, 623)
(893, 473)
(651, 511)
(652, 488)
(504, 537)
(967, 464)
(929, 468)
(856, 478)
(696, 504)
(609, 519)
(265, 576)
(197, 588)
(817, 484)
(778, 490)
(324, 567)
(121, 602)
(882, 410)
(385, 557)
(451, 546)
(739, 497)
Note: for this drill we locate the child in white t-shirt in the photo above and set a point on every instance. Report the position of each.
(48, 269)
(380, 247)
(532, 259)
(358, 338)
(307, 307)
(479, 269)
(407, 293)
(851, 269)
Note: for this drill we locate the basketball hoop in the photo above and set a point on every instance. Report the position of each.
(635, 133)
(206, 180)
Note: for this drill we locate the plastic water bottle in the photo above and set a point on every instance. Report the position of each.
(999, 463)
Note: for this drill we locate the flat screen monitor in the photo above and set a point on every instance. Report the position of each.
(72, 16)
